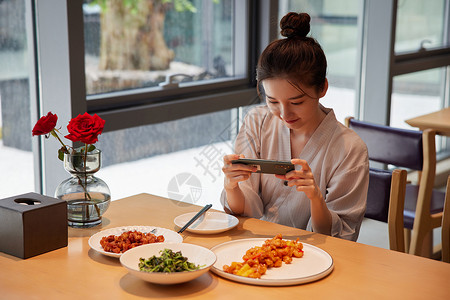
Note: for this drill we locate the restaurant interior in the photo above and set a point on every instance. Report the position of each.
(173, 81)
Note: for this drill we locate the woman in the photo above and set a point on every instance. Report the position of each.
(327, 191)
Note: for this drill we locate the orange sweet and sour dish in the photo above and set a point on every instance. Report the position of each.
(272, 253)
(128, 240)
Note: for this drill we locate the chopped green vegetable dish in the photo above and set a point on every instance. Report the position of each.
(168, 262)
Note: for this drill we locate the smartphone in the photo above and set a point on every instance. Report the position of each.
(267, 166)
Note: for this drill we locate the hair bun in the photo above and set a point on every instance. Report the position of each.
(294, 24)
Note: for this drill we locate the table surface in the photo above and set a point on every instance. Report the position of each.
(78, 272)
(439, 121)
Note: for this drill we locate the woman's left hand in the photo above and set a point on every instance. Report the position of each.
(303, 179)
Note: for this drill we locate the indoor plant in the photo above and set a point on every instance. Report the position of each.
(87, 196)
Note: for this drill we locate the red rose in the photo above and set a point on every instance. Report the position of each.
(45, 124)
(85, 128)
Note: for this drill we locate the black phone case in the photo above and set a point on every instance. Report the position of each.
(267, 166)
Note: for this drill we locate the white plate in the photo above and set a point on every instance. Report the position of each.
(315, 264)
(208, 223)
(195, 254)
(94, 241)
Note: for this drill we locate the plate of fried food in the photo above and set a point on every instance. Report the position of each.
(115, 241)
(271, 262)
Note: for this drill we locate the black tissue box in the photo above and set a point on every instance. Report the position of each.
(32, 224)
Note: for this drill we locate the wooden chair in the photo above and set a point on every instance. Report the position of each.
(385, 203)
(446, 225)
(413, 150)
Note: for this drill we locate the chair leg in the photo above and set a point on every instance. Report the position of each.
(422, 243)
(446, 241)
(437, 252)
(396, 208)
(446, 225)
(407, 239)
(427, 247)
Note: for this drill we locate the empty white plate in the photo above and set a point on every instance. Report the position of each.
(208, 223)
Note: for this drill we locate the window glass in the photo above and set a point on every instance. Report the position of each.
(415, 94)
(180, 159)
(419, 23)
(334, 26)
(135, 44)
(16, 159)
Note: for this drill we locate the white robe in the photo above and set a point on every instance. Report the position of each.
(338, 159)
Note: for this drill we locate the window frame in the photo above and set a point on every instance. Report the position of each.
(380, 63)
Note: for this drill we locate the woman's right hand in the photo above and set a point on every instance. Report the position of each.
(234, 173)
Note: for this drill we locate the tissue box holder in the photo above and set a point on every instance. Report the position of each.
(32, 224)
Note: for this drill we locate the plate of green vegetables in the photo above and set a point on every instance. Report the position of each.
(168, 263)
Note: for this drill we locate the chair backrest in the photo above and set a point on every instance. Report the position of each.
(395, 146)
(406, 149)
(446, 225)
(385, 203)
(378, 195)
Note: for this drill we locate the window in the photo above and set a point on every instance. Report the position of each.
(239, 30)
(334, 24)
(421, 62)
(420, 24)
(16, 159)
(137, 44)
(138, 54)
(415, 94)
(128, 99)
(172, 153)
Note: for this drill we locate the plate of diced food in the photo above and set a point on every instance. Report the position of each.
(116, 241)
(271, 262)
(168, 263)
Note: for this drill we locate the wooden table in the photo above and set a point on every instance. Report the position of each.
(439, 121)
(78, 272)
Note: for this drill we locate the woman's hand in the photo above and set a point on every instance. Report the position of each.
(303, 179)
(234, 173)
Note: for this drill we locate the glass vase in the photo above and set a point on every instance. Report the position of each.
(87, 196)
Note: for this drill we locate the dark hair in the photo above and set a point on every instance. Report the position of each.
(296, 56)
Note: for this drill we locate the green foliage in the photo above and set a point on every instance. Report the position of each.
(182, 5)
(79, 150)
(91, 148)
(101, 3)
(179, 5)
(61, 152)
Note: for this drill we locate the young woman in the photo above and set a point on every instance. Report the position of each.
(327, 191)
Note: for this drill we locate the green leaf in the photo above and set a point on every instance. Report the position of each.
(184, 5)
(101, 3)
(91, 148)
(61, 154)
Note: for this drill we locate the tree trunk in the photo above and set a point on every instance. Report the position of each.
(132, 39)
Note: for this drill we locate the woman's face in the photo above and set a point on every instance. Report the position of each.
(297, 107)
